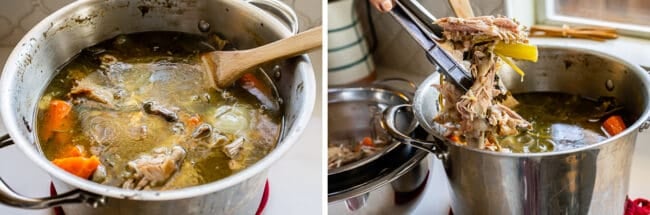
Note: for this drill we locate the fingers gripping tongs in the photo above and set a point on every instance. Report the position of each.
(419, 23)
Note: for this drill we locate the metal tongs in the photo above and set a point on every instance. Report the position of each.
(420, 24)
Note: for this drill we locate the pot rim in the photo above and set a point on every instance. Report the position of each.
(632, 129)
(8, 80)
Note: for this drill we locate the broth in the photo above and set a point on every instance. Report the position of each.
(140, 104)
(559, 122)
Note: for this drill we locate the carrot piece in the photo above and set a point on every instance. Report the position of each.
(257, 88)
(614, 125)
(79, 166)
(58, 122)
(193, 121)
(367, 141)
(454, 138)
(248, 81)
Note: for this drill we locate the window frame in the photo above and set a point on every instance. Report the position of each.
(633, 49)
(545, 14)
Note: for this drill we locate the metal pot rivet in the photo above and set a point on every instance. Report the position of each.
(120, 39)
(276, 72)
(204, 26)
(644, 126)
(609, 85)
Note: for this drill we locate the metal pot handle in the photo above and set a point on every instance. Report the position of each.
(396, 79)
(383, 82)
(11, 198)
(436, 147)
(646, 124)
(280, 10)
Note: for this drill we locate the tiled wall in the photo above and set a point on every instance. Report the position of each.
(18, 16)
(396, 51)
(309, 12)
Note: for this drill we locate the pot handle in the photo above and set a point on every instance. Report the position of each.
(384, 81)
(280, 10)
(436, 147)
(646, 124)
(11, 198)
(397, 79)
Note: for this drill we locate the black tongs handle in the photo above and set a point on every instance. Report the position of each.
(419, 23)
(421, 13)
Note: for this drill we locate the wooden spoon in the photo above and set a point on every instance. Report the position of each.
(462, 8)
(225, 67)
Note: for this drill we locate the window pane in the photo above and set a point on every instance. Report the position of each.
(623, 11)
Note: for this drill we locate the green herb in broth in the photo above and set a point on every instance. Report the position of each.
(560, 122)
(114, 88)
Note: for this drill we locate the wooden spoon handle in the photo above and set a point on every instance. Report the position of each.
(594, 33)
(289, 47)
(225, 67)
(462, 8)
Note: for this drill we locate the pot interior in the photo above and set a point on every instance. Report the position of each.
(65, 33)
(562, 70)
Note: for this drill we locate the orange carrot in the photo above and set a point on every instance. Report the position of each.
(367, 141)
(454, 138)
(58, 122)
(614, 125)
(248, 81)
(193, 121)
(79, 166)
(257, 88)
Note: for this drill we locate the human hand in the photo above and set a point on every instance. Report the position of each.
(382, 5)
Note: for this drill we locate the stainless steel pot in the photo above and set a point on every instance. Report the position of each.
(397, 192)
(389, 182)
(60, 36)
(355, 113)
(588, 180)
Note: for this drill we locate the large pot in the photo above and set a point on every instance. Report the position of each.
(389, 182)
(588, 180)
(62, 35)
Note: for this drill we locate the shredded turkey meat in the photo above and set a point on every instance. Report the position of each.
(478, 114)
(482, 28)
(88, 88)
(153, 170)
